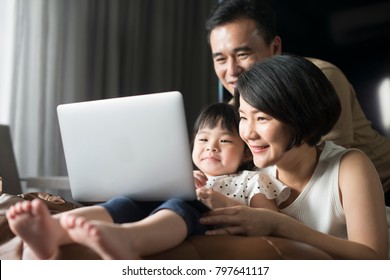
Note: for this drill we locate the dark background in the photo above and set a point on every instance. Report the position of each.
(353, 35)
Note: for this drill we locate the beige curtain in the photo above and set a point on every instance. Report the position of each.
(77, 50)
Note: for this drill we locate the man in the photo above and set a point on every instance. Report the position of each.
(241, 32)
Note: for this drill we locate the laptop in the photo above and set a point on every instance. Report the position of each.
(134, 146)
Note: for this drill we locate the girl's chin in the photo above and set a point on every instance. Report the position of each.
(219, 172)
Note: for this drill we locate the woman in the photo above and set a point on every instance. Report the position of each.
(286, 105)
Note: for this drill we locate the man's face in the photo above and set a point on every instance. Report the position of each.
(235, 46)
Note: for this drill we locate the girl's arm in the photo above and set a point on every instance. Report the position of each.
(215, 199)
(200, 178)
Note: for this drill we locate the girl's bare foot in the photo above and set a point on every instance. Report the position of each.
(32, 222)
(110, 241)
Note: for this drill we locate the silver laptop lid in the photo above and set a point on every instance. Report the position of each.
(133, 146)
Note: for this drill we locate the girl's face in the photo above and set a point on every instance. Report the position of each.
(217, 151)
(266, 137)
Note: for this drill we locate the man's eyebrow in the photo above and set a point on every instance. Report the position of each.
(235, 50)
(240, 49)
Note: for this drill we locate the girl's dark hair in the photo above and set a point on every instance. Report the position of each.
(222, 114)
(215, 113)
(294, 91)
(259, 11)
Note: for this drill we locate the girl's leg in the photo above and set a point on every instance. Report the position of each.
(156, 233)
(42, 232)
(167, 227)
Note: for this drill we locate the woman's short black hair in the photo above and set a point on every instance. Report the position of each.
(294, 91)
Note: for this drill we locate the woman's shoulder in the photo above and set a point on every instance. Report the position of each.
(330, 150)
(357, 173)
(355, 157)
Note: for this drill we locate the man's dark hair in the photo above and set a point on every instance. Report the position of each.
(258, 10)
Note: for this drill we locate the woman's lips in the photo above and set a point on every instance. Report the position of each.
(259, 149)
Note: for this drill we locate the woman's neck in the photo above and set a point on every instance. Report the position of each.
(298, 167)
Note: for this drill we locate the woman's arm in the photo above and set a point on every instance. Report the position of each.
(363, 202)
(244, 220)
(362, 199)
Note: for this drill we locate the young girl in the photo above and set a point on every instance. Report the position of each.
(125, 229)
(286, 104)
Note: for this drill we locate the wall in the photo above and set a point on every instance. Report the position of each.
(354, 35)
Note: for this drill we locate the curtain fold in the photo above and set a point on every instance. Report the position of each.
(7, 26)
(78, 50)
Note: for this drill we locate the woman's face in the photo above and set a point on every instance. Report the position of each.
(266, 137)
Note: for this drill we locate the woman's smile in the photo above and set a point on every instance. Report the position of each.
(258, 149)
